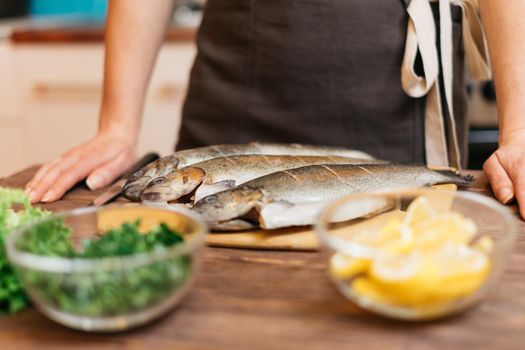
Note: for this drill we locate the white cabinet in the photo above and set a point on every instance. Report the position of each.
(9, 103)
(12, 153)
(53, 94)
(11, 149)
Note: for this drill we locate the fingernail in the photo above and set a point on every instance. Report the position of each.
(94, 182)
(47, 197)
(506, 195)
(31, 194)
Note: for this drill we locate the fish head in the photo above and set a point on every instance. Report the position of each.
(174, 185)
(228, 205)
(138, 181)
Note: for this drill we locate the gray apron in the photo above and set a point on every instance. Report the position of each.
(311, 71)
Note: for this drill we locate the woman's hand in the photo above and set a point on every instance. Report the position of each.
(505, 169)
(134, 32)
(101, 160)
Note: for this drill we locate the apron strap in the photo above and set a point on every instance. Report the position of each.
(476, 49)
(421, 35)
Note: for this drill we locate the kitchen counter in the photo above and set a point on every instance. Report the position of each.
(86, 34)
(73, 30)
(246, 299)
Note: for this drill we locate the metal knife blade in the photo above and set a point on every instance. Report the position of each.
(116, 188)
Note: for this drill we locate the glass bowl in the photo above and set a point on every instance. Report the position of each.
(345, 224)
(110, 293)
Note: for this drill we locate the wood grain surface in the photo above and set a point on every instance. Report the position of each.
(93, 33)
(249, 299)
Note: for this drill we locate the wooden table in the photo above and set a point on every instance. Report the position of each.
(281, 300)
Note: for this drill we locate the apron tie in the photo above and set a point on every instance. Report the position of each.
(421, 35)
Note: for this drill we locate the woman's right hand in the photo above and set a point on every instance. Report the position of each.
(101, 160)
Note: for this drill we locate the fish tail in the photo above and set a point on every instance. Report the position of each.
(453, 176)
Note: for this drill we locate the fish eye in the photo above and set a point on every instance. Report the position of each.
(137, 173)
(246, 189)
(158, 180)
(210, 199)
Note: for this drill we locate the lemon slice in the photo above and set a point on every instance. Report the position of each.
(398, 237)
(367, 288)
(441, 229)
(406, 279)
(419, 211)
(462, 270)
(343, 266)
(485, 244)
(394, 237)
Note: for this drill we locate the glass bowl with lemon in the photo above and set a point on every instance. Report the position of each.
(417, 254)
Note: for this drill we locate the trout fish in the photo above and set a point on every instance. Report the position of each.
(223, 173)
(295, 197)
(165, 165)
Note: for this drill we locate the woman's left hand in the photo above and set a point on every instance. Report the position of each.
(505, 170)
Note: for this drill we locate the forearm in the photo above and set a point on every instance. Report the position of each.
(134, 33)
(505, 30)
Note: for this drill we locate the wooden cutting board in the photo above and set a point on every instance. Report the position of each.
(295, 238)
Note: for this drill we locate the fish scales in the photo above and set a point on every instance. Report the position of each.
(138, 181)
(218, 174)
(296, 196)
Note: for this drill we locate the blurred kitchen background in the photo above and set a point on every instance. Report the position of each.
(51, 56)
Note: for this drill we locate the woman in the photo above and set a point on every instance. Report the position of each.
(381, 76)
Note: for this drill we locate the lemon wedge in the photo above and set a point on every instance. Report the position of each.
(343, 266)
(441, 229)
(394, 236)
(406, 279)
(485, 244)
(419, 211)
(460, 271)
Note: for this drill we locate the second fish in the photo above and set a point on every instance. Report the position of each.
(223, 173)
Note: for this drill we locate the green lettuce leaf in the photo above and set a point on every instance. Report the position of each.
(12, 296)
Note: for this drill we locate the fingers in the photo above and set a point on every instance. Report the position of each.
(40, 173)
(106, 174)
(60, 177)
(517, 173)
(501, 182)
(520, 194)
(71, 155)
(40, 184)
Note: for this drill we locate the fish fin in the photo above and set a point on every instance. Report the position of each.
(453, 176)
(261, 205)
(283, 203)
(280, 214)
(205, 190)
(231, 225)
(285, 214)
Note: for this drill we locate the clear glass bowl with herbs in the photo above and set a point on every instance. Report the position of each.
(108, 268)
(416, 254)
